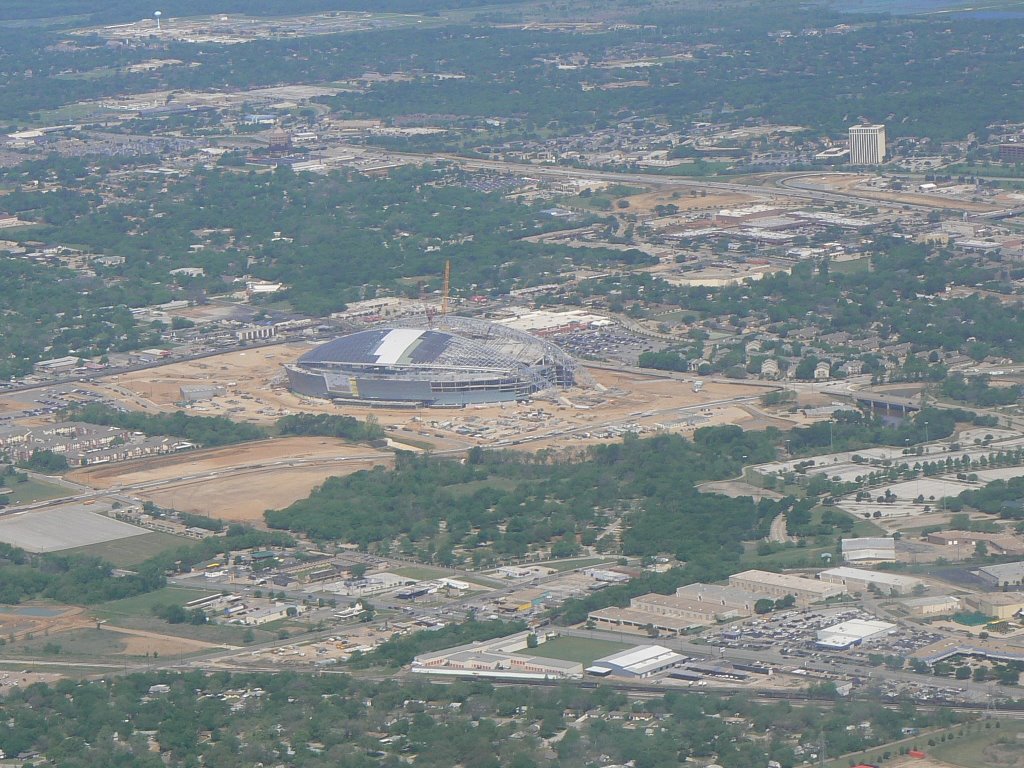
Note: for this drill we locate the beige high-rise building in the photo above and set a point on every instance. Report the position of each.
(867, 144)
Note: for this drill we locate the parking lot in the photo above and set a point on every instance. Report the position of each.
(794, 634)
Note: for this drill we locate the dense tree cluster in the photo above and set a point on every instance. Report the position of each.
(203, 719)
(45, 461)
(331, 425)
(901, 296)
(207, 431)
(73, 579)
(977, 390)
(83, 580)
(502, 504)
(850, 430)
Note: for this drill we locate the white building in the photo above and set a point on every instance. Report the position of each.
(867, 144)
(853, 632)
(255, 332)
(642, 661)
(881, 548)
(499, 657)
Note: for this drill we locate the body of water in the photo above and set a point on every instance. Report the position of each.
(32, 610)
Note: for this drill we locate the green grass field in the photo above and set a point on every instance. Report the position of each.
(132, 550)
(792, 557)
(849, 267)
(467, 489)
(225, 634)
(581, 649)
(34, 490)
(71, 645)
(142, 605)
(984, 747)
(864, 528)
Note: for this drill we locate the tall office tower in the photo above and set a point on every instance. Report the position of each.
(867, 144)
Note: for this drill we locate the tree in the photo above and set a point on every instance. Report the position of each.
(764, 605)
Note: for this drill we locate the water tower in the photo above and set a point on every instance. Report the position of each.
(157, 16)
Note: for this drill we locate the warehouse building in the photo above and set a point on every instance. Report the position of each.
(637, 663)
(966, 541)
(740, 600)
(496, 658)
(998, 605)
(933, 606)
(691, 606)
(1004, 575)
(861, 580)
(779, 585)
(881, 549)
(853, 632)
(631, 620)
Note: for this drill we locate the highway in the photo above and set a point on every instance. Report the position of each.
(793, 192)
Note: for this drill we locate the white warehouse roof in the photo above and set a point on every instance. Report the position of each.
(853, 631)
(641, 659)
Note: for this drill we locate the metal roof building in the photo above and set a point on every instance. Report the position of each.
(870, 548)
(1002, 575)
(853, 632)
(639, 662)
(461, 361)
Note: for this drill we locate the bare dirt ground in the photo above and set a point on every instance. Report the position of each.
(684, 201)
(239, 482)
(255, 391)
(16, 626)
(138, 642)
(245, 497)
(256, 455)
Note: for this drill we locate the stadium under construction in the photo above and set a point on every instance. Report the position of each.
(450, 361)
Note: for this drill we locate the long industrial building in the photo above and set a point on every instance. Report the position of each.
(778, 585)
(862, 580)
(495, 658)
(640, 662)
(451, 362)
(691, 606)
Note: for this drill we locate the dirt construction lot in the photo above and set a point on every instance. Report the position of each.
(241, 482)
(238, 482)
(255, 391)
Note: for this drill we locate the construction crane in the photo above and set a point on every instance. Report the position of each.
(447, 287)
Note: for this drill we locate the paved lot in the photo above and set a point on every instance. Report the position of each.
(73, 525)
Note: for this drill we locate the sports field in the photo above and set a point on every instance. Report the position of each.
(581, 649)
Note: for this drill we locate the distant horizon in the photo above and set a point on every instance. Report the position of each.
(954, 8)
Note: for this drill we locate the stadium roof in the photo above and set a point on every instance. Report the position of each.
(384, 346)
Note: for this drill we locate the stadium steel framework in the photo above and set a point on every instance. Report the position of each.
(447, 361)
